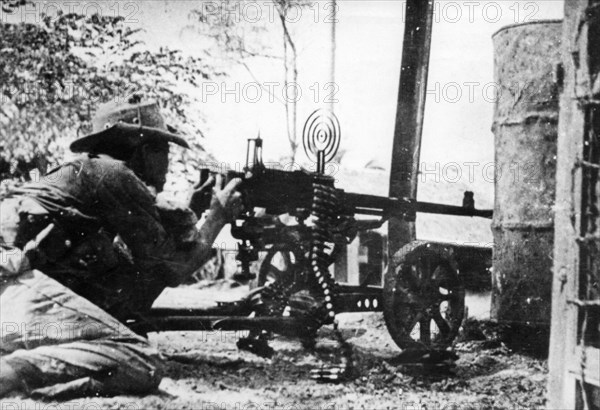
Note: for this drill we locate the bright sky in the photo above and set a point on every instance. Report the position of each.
(369, 38)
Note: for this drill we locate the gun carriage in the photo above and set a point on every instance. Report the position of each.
(423, 293)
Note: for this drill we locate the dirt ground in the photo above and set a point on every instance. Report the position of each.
(205, 370)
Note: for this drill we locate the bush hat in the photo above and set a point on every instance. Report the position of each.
(118, 128)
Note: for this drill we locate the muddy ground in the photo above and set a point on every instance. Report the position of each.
(205, 370)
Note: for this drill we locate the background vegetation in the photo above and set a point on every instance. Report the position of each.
(53, 76)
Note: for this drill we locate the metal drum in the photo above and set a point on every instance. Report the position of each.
(525, 128)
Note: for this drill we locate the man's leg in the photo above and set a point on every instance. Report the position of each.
(103, 368)
(53, 337)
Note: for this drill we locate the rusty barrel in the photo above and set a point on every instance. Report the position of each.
(525, 130)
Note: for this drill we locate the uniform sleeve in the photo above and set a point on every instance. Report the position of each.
(179, 221)
(127, 208)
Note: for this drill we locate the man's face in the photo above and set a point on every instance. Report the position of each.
(156, 164)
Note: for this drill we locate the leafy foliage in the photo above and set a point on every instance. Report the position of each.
(9, 5)
(53, 76)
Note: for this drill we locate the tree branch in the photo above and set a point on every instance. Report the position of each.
(260, 83)
(287, 41)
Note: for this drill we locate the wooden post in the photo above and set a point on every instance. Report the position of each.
(561, 392)
(418, 18)
(574, 354)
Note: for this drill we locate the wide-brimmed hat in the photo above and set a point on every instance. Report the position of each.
(118, 128)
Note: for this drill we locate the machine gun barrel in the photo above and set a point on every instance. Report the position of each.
(431, 208)
(390, 207)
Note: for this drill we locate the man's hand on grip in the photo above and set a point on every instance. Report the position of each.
(227, 201)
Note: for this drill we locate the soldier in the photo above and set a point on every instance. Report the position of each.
(87, 250)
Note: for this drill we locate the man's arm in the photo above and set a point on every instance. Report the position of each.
(128, 208)
(225, 205)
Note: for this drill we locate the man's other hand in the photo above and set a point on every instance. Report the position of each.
(226, 202)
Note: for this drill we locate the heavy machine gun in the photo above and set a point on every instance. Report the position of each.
(300, 224)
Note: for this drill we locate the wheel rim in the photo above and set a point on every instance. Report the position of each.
(280, 263)
(281, 266)
(429, 301)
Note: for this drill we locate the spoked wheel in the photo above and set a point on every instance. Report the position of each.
(292, 290)
(424, 297)
(278, 277)
(281, 269)
(280, 264)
